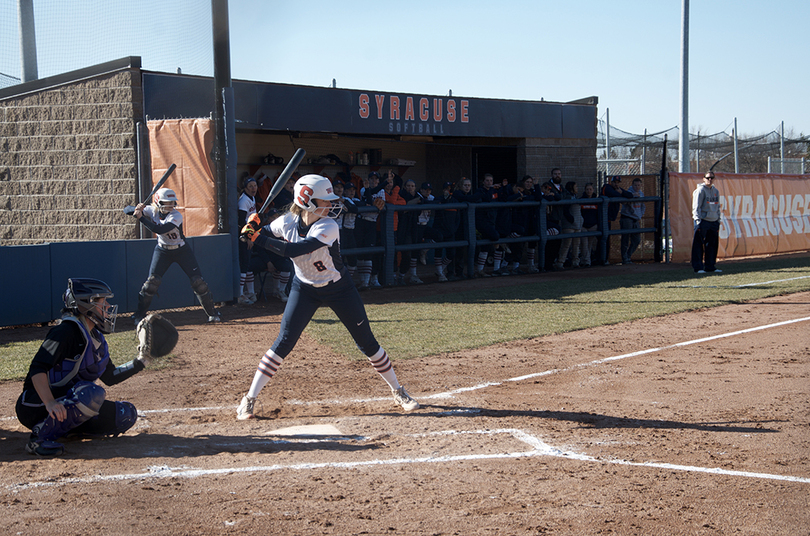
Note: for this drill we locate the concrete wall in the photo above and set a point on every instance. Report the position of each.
(68, 160)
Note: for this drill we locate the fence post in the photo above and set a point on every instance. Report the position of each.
(390, 243)
(542, 232)
(469, 235)
(605, 224)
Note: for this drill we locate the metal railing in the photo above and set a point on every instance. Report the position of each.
(389, 247)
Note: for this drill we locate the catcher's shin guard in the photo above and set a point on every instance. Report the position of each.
(82, 403)
(125, 417)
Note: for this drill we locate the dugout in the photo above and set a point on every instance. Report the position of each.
(79, 146)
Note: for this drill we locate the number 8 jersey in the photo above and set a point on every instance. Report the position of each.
(322, 266)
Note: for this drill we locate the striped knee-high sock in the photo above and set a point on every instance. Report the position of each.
(383, 366)
(481, 261)
(268, 366)
(249, 283)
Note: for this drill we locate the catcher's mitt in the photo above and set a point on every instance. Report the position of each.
(157, 337)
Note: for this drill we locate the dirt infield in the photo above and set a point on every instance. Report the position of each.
(695, 423)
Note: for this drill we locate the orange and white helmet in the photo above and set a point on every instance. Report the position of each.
(165, 200)
(311, 187)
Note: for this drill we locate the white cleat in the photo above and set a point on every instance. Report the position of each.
(402, 398)
(281, 295)
(245, 409)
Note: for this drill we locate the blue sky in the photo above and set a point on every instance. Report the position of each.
(748, 59)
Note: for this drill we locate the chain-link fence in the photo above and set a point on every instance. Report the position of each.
(615, 145)
(168, 36)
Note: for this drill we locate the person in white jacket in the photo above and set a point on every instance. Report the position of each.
(707, 216)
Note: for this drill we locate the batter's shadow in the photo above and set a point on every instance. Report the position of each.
(596, 420)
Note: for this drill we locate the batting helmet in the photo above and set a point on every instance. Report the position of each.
(165, 199)
(311, 187)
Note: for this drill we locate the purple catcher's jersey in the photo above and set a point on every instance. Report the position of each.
(86, 366)
(322, 266)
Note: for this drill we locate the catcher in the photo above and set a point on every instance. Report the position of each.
(60, 394)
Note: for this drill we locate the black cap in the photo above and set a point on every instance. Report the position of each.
(447, 185)
(426, 186)
(616, 178)
(373, 174)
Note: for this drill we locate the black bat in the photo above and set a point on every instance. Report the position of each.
(283, 178)
(160, 183)
(129, 209)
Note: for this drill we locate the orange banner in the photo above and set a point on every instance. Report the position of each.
(187, 143)
(762, 213)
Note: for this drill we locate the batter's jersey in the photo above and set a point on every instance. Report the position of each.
(322, 266)
(175, 236)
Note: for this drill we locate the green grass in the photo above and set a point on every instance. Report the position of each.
(475, 318)
(450, 322)
(16, 357)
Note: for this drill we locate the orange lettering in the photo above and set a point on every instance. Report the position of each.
(394, 108)
(451, 110)
(465, 113)
(424, 113)
(438, 110)
(409, 109)
(364, 106)
(380, 102)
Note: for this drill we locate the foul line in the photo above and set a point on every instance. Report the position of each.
(539, 448)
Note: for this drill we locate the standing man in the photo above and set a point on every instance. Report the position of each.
(707, 216)
(553, 191)
(613, 189)
(631, 214)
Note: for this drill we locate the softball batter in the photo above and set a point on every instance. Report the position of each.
(164, 220)
(309, 235)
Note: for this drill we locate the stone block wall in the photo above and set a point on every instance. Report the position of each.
(576, 159)
(68, 161)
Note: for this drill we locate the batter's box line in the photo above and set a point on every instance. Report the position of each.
(539, 448)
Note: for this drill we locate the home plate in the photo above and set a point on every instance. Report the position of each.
(312, 430)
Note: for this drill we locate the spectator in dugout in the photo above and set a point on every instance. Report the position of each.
(485, 223)
(425, 233)
(613, 189)
(369, 264)
(407, 233)
(552, 190)
(446, 223)
(246, 206)
(570, 223)
(347, 221)
(590, 223)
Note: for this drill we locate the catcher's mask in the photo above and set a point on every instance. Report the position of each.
(311, 187)
(89, 298)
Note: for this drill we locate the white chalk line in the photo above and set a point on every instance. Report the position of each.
(538, 448)
(747, 284)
